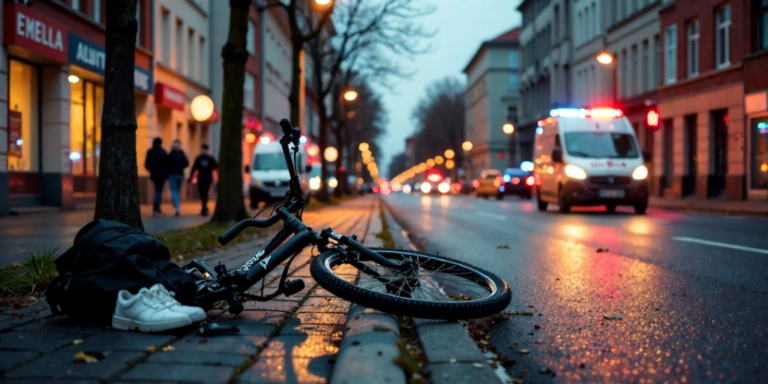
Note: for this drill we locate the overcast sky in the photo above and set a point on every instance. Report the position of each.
(461, 26)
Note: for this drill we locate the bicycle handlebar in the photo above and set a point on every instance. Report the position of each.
(231, 233)
(289, 130)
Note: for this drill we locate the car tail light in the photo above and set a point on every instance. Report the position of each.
(476, 183)
(529, 181)
(515, 181)
(498, 182)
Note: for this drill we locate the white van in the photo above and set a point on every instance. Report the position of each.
(587, 157)
(269, 174)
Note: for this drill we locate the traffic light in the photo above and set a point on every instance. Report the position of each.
(653, 118)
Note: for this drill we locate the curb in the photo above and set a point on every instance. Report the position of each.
(369, 346)
(452, 355)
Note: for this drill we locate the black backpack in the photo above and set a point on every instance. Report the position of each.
(108, 257)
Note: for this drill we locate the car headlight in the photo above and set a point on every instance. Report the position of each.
(640, 173)
(575, 172)
(425, 187)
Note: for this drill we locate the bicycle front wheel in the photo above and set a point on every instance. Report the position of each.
(437, 287)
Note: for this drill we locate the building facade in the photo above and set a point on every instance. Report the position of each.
(52, 65)
(546, 45)
(492, 100)
(755, 73)
(701, 149)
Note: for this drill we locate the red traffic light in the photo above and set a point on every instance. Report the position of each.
(653, 119)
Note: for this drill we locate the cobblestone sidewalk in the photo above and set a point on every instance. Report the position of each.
(291, 340)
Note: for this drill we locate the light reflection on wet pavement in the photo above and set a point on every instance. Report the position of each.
(691, 312)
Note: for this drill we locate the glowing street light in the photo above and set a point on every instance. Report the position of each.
(508, 128)
(363, 147)
(439, 160)
(323, 2)
(449, 154)
(605, 58)
(430, 163)
(201, 108)
(467, 146)
(331, 154)
(350, 95)
(449, 164)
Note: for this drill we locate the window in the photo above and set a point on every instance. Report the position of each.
(514, 59)
(624, 74)
(693, 48)
(669, 151)
(203, 63)
(557, 22)
(180, 45)
(166, 37)
(595, 21)
(97, 11)
(251, 42)
(579, 30)
(138, 23)
(588, 26)
(23, 132)
(762, 25)
(759, 158)
(723, 36)
(645, 68)
(514, 82)
(249, 92)
(77, 5)
(670, 58)
(633, 88)
(191, 55)
(657, 78)
(512, 115)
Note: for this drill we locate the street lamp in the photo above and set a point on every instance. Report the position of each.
(449, 154)
(331, 154)
(467, 146)
(508, 128)
(201, 108)
(350, 95)
(323, 2)
(363, 147)
(604, 58)
(607, 59)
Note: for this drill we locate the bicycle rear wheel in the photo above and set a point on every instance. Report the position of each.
(440, 288)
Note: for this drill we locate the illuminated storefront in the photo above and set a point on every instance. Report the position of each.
(756, 107)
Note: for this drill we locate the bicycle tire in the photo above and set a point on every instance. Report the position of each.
(441, 310)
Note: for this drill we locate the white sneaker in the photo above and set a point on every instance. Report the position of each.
(195, 313)
(144, 312)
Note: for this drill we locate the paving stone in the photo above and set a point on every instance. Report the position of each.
(254, 317)
(210, 346)
(295, 327)
(272, 305)
(61, 324)
(324, 304)
(207, 357)
(447, 373)
(6, 317)
(113, 340)
(448, 340)
(248, 340)
(289, 370)
(12, 359)
(36, 341)
(153, 372)
(31, 310)
(300, 346)
(320, 292)
(322, 318)
(61, 365)
(14, 322)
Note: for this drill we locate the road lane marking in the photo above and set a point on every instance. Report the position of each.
(491, 215)
(722, 245)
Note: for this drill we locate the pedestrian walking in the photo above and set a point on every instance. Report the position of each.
(157, 165)
(204, 165)
(177, 162)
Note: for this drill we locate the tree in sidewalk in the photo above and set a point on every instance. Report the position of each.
(370, 36)
(440, 120)
(117, 194)
(230, 205)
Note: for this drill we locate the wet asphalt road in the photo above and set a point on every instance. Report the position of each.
(692, 312)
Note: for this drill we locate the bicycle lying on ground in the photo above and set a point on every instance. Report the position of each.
(401, 282)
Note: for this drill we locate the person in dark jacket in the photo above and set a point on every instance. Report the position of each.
(177, 162)
(156, 163)
(204, 165)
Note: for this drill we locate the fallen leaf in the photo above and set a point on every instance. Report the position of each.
(524, 350)
(601, 250)
(77, 341)
(88, 357)
(477, 365)
(152, 348)
(537, 326)
(167, 348)
(537, 341)
(503, 246)
(613, 316)
(452, 361)
(368, 310)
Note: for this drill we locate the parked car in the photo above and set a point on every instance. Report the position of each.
(269, 177)
(435, 183)
(517, 182)
(489, 184)
(590, 157)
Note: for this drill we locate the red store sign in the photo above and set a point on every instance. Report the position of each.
(29, 29)
(169, 96)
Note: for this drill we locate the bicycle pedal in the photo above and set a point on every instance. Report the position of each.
(293, 286)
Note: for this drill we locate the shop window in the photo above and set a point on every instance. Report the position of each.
(23, 127)
(762, 24)
(760, 153)
(86, 104)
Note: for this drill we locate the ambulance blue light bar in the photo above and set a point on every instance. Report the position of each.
(595, 113)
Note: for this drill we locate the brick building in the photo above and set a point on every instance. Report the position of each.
(755, 64)
(702, 147)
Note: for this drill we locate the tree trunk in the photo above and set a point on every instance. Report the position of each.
(322, 193)
(229, 193)
(342, 182)
(294, 98)
(117, 194)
